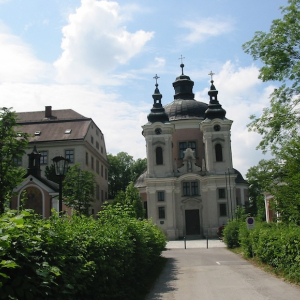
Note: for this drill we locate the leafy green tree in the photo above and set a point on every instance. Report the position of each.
(50, 173)
(130, 198)
(78, 189)
(122, 170)
(12, 145)
(279, 51)
(287, 192)
(261, 178)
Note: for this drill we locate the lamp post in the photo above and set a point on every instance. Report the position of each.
(61, 168)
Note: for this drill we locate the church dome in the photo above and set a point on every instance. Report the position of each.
(186, 109)
(184, 105)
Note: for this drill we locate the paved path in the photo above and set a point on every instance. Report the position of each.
(215, 274)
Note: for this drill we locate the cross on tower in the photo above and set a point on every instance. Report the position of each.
(181, 58)
(156, 77)
(211, 75)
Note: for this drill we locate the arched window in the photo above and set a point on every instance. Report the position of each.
(219, 154)
(159, 156)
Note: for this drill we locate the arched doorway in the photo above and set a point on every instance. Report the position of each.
(34, 199)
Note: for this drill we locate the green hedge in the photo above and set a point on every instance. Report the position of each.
(77, 257)
(275, 244)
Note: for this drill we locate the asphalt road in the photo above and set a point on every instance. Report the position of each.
(215, 274)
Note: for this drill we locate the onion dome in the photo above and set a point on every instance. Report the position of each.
(158, 113)
(184, 105)
(215, 110)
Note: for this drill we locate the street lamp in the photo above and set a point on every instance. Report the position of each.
(61, 168)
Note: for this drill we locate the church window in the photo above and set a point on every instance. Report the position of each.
(86, 158)
(69, 154)
(222, 193)
(219, 154)
(184, 145)
(161, 212)
(102, 170)
(190, 188)
(223, 209)
(44, 157)
(159, 156)
(161, 196)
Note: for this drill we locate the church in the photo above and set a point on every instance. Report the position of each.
(190, 187)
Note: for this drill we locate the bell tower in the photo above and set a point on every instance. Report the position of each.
(158, 134)
(216, 135)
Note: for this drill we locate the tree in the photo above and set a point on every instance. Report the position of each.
(280, 53)
(122, 170)
(78, 189)
(51, 174)
(131, 198)
(12, 145)
(261, 178)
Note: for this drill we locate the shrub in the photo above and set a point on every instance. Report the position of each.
(231, 234)
(76, 257)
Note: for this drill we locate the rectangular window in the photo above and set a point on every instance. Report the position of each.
(44, 157)
(222, 193)
(161, 212)
(223, 209)
(194, 188)
(97, 192)
(102, 195)
(186, 189)
(105, 195)
(97, 145)
(92, 139)
(92, 162)
(18, 161)
(102, 170)
(69, 154)
(86, 158)
(105, 174)
(97, 166)
(190, 188)
(184, 145)
(161, 196)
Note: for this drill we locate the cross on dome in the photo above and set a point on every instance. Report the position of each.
(181, 65)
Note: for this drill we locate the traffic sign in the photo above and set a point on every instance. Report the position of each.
(250, 222)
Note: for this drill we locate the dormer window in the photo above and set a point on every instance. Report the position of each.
(68, 131)
(37, 133)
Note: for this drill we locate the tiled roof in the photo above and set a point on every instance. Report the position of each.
(54, 127)
(39, 116)
(55, 131)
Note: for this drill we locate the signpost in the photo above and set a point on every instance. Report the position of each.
(250, 222)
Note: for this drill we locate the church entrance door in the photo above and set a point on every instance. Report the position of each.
(192, 222)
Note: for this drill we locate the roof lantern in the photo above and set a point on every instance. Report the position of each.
(214, 110)
(157, 113)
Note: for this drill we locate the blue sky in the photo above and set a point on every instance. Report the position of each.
(99, 58)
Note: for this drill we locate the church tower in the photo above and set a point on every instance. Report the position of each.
(158, 134)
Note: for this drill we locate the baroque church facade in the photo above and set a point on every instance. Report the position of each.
(190, 187)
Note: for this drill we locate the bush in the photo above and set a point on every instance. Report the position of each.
(231, 234)
(76, 257)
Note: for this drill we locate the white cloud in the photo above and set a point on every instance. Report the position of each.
(203, 29)
(17, 60)
(96, 41)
